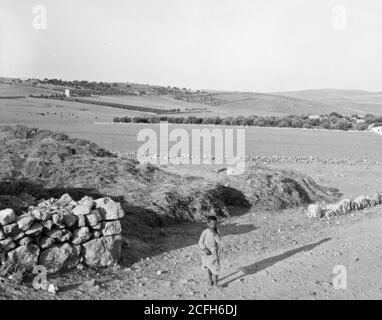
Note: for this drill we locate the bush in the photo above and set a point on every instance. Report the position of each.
(297, 123)
(335, 115)
(12, 269)
(326, 124)
(217, 120)
(332, 121)
(207, 121)
(124, 119)
(341, 125)
(314, 122)
(361, 126)
(248, 122)
(369, 118)
(285, 123)
(377, 124)
(227, 121)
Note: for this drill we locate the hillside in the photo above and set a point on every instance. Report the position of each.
(322, 94)
(356, 101)
(267, 104)
(322, 101)
(12, 90)
(215, 103)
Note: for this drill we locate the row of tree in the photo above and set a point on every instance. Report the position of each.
(116, 88)
(333, 121)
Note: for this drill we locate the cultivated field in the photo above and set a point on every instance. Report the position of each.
(36, 111)
(94, 123)
(161, 102)
(8, 90)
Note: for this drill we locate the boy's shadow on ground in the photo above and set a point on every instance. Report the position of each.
(263, 264)
(236, 228)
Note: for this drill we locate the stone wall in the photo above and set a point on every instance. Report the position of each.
(273, 159)
(61, 234)
(343, 207)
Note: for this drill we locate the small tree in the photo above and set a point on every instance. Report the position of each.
(326, 124)
(342, 125)
(361, 126)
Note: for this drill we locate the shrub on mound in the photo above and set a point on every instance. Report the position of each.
(267, 188)
(46, 164)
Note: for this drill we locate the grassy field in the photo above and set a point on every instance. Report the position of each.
(163, 102)
(29, 110)
(8, 90)
(262, 141)
(88, 123)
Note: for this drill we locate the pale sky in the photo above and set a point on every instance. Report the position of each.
(246, 45)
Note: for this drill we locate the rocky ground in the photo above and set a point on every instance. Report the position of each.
(270, 253)
(265, 256)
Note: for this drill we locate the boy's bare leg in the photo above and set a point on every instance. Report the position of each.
(209, 277)
(215, 280)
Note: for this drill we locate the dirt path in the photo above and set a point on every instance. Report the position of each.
(306, 272)
(284, 256)
(303, 270)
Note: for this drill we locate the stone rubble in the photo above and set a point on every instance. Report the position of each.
(62, 234)
(275, 159)
(343, 207)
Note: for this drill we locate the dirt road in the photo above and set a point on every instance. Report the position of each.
(283, 256)
(305, 268)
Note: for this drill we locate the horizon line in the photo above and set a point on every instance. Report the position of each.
(193, 89)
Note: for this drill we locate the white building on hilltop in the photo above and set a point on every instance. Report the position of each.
(67, 92)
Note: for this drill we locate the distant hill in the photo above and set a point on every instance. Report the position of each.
(267, 104)
(211, 103)
(322, 101)
(321, 94)
(353, 101)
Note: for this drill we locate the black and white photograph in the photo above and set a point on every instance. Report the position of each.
(190, 150)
